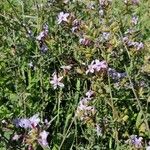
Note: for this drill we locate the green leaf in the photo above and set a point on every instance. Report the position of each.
(139, 119)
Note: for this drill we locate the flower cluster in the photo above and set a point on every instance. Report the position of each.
(34, 133)
(42, 37)
(116, 75)
(84, 111)
(136, 45)
(133, 2)
(136, 141)
(96, 66)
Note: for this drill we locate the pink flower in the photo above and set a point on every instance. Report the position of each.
(56, 81)
(43, 138)
(62, 17)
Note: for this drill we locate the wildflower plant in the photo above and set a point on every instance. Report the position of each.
(74, 74)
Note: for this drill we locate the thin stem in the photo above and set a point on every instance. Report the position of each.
(64, 137)
(138, 101)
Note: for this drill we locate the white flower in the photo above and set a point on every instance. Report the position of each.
(106, 35)
(43, 138)
(66, 67)
(30, 64)
(56, 81)
(90, 68)
(101, 12)
(89, 93)
(81, 40)
(62, 17)
(73, 29)
(40, 36)
(66, 1)
(98, 130)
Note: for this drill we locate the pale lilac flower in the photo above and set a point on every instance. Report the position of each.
(74, 29)
(43, 33)
(85, 41)
(125, 39)
(105, 35)
(83, 104)
(101, 12)
(89, 93)
(43, 47)
(62, 17)
(81, 40)
(43, 138)
(91, 5)
(137, 142)
(104, 2)
(27, 123)
(46, 122)
(16, 137)
(100, 65)
(56, 81)
(90, 68)
(116, 75)
(130, 31)
(76, 23)
(84, 101)
(135, 2)
(139, 46)
(96, 65)
(34, 120)
(24, 123)
(98, 130)
(130, 43)
(134, 20)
